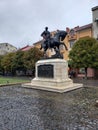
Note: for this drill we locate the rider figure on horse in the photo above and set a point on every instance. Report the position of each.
(46, 35)
(53, 42)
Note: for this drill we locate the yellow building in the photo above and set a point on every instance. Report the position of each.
(75, 34)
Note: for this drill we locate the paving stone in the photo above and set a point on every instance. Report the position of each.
(30, 109)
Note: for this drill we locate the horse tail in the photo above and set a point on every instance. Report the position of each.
(62, 43)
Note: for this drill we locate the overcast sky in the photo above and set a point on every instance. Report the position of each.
(22, 21)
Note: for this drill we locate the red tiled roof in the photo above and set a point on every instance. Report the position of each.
(77, 28)
(84, 27)
(26, 48)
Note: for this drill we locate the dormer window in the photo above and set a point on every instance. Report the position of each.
(72, 32)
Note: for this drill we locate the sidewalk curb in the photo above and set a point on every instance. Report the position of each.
(11, 84)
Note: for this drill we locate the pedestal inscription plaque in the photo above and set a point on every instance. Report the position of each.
(46, 71)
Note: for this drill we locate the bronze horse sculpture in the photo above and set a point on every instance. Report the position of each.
(54, 42)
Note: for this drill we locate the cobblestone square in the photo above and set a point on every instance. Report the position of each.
(30, 109)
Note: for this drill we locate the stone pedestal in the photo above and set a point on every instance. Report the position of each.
(52, 75)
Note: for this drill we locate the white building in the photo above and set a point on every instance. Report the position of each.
(95, 22)
(6, 48)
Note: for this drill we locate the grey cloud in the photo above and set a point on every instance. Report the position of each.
(22, 21)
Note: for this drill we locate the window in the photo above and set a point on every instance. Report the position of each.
(71, 43)
(72, 32)
(82, 71)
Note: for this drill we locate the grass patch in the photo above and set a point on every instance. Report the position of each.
(13, 80)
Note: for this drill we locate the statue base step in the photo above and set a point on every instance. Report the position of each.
(54, 86)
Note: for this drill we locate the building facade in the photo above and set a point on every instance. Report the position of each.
(6, 48)
(95, 22)
(75, 34)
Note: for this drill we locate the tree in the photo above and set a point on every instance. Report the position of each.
(1, 68)
(6, 62)
(84, 54)
(17, 61)
(31, 57)
(20, 61)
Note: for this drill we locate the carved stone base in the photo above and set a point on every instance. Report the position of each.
(53, 86)
(52, 75)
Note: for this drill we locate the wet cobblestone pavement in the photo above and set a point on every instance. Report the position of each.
(30, 109)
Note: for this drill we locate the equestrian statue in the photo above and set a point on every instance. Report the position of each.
(54, 42)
